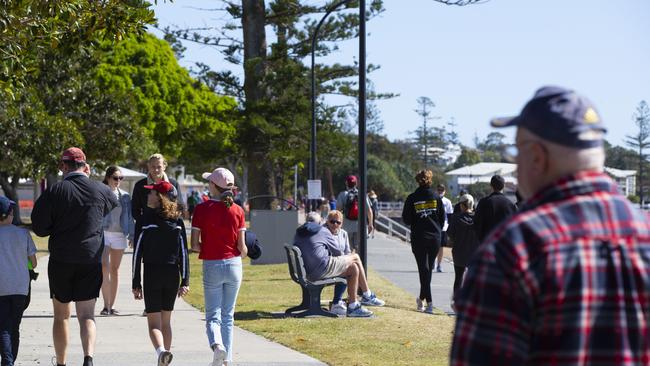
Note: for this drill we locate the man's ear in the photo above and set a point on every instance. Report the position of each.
(540, 159)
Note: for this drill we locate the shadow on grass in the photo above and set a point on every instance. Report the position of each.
(256, 315)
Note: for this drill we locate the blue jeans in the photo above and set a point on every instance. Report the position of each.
(11, 313)
(221, 281)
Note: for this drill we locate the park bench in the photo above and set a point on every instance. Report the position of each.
(311, 290)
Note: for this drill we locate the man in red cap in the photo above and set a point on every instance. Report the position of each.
(71, 213)
(348, 203)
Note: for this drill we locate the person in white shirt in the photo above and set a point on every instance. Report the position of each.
(449, 210)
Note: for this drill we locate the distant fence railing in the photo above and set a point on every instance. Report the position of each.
(390, 206)
(392, 228)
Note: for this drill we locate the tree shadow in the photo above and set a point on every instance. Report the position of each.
(256, 315)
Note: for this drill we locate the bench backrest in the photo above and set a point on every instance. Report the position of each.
(291, 260)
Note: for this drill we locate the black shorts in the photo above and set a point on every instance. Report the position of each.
(443, 239)
(160, 287)
(74, 281)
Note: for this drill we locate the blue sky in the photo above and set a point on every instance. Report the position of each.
(483, 61)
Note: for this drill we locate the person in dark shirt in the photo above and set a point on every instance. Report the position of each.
(162, 246)
(424, 212)
(493, 209)
(71, 212)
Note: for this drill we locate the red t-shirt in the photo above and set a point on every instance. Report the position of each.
(219, 227)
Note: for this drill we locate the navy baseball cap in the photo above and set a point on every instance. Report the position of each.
(6, 205)
(561, 116)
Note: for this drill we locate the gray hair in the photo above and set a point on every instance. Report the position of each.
(314, 217)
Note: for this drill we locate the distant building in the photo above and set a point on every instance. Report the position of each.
(460, 178)
(626, 180)
(445, 156)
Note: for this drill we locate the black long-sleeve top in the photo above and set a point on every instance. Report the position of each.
(161, 242)
(490, 212)
(424, 211)
(71, 212)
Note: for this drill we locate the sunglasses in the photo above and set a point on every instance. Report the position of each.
(117, 178)
(335, 222)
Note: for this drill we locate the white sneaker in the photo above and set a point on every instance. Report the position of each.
(339, 308)
(165, 358)
(420, 304)
(220, 355)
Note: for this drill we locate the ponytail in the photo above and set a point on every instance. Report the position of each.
(227, 197)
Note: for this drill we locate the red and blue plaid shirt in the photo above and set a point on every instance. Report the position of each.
(565, 281)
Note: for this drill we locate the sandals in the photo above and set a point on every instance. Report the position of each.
(114, 312)
(105, 312)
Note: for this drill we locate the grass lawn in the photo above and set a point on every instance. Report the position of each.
(398, 335)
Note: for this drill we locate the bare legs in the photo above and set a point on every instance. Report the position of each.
(160, 329)
(111, 260)
(61, 327)
(356, 277)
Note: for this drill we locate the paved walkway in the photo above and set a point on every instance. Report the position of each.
(123, 340)
(393, 259)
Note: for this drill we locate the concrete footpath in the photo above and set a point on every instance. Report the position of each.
(393, 259)
(124, 341)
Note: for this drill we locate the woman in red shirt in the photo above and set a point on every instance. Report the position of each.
(218, 229)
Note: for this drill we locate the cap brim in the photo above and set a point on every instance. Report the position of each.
(505, 122)
(206, 176)
(148, 187)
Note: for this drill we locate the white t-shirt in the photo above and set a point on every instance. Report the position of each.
(15, 246)
(449, 209)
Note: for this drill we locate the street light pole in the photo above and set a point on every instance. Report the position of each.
(314, 38)
(363, 196)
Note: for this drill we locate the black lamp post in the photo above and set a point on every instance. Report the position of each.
(314, 39)
(362, 117)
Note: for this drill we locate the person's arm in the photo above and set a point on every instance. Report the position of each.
(185, 261)
(407, 212)
(241, 243)
(33, 260)
(479, 220)
(42, 215)
(136, 283)
(441, 214)
(31, 250)
(129, 208)
(195, 240)
(494, 315)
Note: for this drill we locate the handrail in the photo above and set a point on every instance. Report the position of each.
(393, 228)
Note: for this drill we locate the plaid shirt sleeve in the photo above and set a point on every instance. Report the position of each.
(494, 313)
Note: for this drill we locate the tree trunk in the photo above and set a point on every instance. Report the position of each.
(253, 22)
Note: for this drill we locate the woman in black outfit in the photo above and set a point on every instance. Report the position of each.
(463, 236)
(424, 211)
(162, 247)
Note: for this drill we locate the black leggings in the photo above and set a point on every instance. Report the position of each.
(458, 280)
(425, 252)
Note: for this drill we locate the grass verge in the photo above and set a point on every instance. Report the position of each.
(398, 335)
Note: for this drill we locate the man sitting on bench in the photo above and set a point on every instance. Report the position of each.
(323, 259)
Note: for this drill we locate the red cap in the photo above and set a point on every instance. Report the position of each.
(164, 187)
(73, 154)
(351, 180)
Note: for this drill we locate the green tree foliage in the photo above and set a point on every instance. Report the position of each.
(29, 29)
(620, 158)
(468, 156)
(182, 116)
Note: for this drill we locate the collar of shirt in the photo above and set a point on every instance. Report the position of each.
(580, 183)
(73, 174)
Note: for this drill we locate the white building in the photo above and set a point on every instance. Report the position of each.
(460, 178)
(626, 180)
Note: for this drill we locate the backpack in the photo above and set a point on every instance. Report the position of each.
(351, 209)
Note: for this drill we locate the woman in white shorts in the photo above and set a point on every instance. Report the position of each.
(118, 230)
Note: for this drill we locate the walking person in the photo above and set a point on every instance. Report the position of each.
(565, 280)
(493, 209)
(449, 211)
(71, 213)
(218, 234)
(162, 247)
(424, 212)
(16, 250)
(374, 206)
(463, 236)
(334, 224)
(348, 203)
(118, 231)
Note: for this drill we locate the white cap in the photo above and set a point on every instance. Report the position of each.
(222, 177)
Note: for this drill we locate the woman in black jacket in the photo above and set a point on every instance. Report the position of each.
(162, 247)
(463, 236)
(424, 211)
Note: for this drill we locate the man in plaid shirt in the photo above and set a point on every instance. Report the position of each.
(566, 280)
